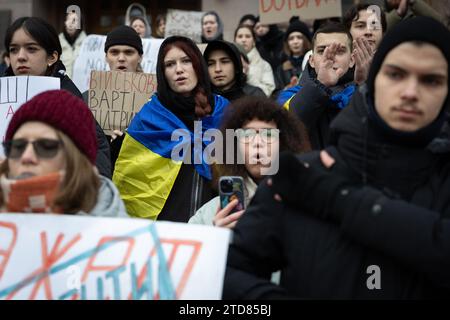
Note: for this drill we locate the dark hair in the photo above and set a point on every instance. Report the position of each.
(202, 92)
(247, 17)
(160, 17)
(333, 27)
(352, 14)
(242, 26)
(40, 30)
(318, 23)
(293, 136)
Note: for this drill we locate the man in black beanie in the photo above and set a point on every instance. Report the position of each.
(123, 48)
(123, 52)
(369, 218)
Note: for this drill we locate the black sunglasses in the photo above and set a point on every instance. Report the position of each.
(44, 148)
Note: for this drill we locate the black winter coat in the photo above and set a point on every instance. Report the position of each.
(270, 47)
(313, 105)
(406, 232)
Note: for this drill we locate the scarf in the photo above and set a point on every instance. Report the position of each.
(31, 195)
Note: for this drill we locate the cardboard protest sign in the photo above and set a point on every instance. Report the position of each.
(278, 11)
(87, 258)
(15, 91)
(116, 96)
(184, 23)
(92, 57)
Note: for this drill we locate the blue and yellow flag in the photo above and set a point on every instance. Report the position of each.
(145, 172)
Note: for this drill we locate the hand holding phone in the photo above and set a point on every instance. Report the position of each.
(231, 188)
(224, 218)
(231, 194)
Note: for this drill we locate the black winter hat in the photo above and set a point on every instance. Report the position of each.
(298, 26)
(422, 29)
(124, 35)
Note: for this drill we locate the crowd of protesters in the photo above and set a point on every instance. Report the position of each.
(354, 112)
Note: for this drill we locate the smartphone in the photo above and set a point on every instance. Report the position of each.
(231, 188)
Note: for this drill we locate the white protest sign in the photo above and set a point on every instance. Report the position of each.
(79, 257)
(184, 23)
(279, 11)
(15, 91)
(92, 57)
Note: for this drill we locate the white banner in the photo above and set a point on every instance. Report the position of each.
(15, 91)
(92, 57)
(74, 257)
(184, 23)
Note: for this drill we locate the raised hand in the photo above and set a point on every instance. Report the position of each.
(363, 55)
(327, 74)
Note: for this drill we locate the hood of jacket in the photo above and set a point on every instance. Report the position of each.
(129, 16)
(236, 91)
(109, 203)
(219, 33)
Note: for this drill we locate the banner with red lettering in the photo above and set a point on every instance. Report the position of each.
(279, 11)
(15, 91)
(86, 258)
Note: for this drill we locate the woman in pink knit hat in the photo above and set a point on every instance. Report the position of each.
(51, 147)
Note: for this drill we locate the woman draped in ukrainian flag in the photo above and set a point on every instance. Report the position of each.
(151, 183)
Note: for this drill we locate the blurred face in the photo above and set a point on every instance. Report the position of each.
(139, 26)
(27, 56)
(261, 29)
(257, 142)
(221, 70)
(244, 37)
(360, 28)
(123, 58)
(411, 86)
(179, 72)
(162, 27)
(343, 58)
(25, 159)
(210, 26)
(296, 43)
(72, 23)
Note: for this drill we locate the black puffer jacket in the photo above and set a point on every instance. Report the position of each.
(405, 232)
(103, 161)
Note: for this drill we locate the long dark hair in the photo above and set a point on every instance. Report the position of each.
(202, 95)
(41, 31)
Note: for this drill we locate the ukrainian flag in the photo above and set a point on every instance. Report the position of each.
(145, 172)
(285, 96)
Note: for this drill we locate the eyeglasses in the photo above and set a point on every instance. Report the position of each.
(44, 148)
(267, 135)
